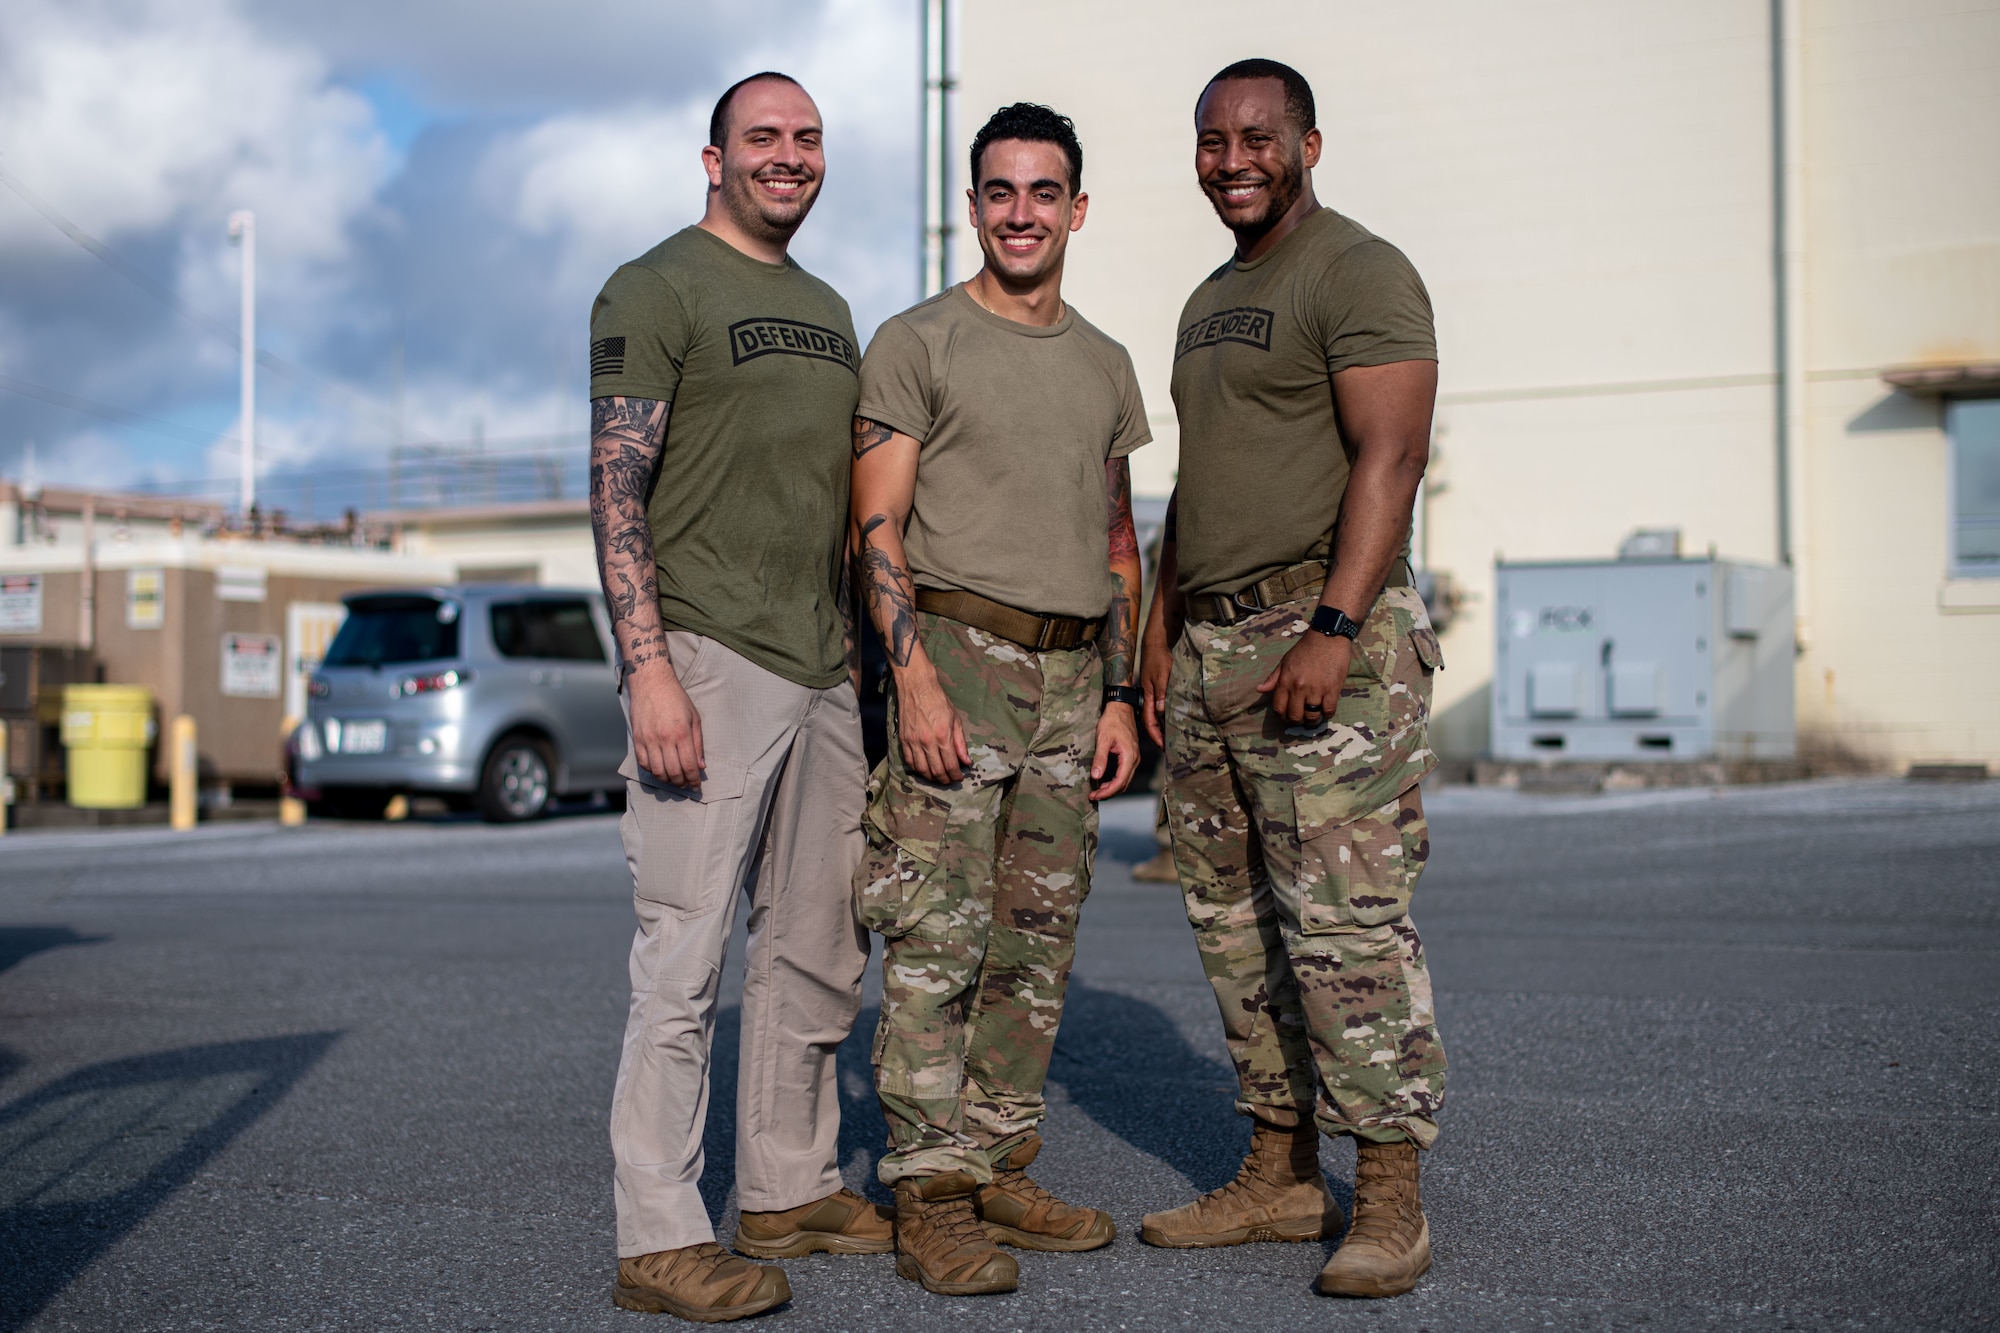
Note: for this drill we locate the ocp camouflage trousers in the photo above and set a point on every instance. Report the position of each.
(975, 887)
(1298, 850)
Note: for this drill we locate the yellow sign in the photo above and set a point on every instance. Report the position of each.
(145, 598)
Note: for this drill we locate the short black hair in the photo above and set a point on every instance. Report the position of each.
(718, 120)
(1034, 123)
(1298, 93)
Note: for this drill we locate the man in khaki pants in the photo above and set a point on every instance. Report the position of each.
(723, 386)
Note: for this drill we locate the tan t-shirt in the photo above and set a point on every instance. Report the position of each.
(1263, 465)
(1016, 424)
(749, 510)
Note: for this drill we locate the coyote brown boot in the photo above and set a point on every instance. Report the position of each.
(940, 1243)
(841, 1223)
(1279, 1194)
(1020, 1213)
(1389, 1247)
(704, 1283)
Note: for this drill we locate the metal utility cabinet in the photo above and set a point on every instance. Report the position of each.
(1637, 659)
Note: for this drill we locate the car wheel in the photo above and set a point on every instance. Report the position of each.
(517, 782)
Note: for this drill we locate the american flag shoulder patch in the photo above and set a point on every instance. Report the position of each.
(607, 357)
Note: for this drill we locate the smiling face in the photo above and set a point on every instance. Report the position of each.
(769, 167)
(1251, 161)
(1023, 210)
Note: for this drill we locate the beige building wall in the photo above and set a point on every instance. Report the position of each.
(1588, 192)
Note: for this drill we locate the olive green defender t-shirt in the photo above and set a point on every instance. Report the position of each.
(1263, 467)
(749, 512)
(1016, 423)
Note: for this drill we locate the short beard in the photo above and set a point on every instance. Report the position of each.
(758, 216)
(1285, 191)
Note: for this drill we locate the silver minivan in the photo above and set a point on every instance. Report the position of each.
(497, 697)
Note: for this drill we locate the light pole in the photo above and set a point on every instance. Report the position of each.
(243, 230)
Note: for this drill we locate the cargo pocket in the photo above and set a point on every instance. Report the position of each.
(687, 849)
(1360, 873)
(897, 881)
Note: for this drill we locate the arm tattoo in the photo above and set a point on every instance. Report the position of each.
(1118, 503)
(626, 435)
(1117, 643)
(850, 630)
(892, 598)
(869, 435)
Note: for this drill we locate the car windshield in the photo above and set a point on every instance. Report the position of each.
(388, 631)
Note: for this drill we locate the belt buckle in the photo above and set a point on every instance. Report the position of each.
(1044, 636)
(1245, 608)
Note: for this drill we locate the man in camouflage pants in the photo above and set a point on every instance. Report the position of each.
(1007, 606)
(1295, 733)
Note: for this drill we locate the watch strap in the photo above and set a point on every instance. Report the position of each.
(1333, 620)
(1124, 694)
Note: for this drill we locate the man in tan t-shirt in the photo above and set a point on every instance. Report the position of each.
(992, 510)
(1290, 661)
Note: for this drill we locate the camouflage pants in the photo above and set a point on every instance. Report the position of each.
(1298, 850)
(975, 888)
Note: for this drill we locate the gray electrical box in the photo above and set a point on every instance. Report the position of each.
(1643, 658)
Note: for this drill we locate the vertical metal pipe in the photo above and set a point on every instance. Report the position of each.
(923, 148)
(87, 608)
(946, 86)
(1788, 247)
(243, 230)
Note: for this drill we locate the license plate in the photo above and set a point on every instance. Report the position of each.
(365, 737)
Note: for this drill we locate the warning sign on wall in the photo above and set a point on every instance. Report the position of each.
(20, 603)
(253, 666)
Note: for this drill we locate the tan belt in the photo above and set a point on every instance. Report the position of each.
(1041, 633)
(1287, 585)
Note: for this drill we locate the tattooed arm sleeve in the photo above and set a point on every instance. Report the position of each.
(626, 435)
(885, 485)
(1121, 622)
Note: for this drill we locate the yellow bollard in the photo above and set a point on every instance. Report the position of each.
(291, 810)
(398, 809)
(183, 773)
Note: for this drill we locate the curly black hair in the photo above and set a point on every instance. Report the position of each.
(1036, 124)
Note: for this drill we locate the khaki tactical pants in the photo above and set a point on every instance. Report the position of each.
(779, 812)
(1298, 851)
(975, 888)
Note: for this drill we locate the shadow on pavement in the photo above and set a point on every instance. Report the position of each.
(84, 1160)
(860, 1114)
(18, 943)
(1125, 1064)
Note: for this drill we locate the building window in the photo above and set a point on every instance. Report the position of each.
(1974, 425)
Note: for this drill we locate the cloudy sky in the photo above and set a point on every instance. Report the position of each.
(451, 178)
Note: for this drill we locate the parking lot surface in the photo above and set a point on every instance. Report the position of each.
(1719, 1060)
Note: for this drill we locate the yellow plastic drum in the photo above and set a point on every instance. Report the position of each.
(107, 730)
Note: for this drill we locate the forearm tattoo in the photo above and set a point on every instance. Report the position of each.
(1116, 644)
(891, 597)
(626, 435)
(869, 435)
(850, 631)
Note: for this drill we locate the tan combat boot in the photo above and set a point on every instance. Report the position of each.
(704, 1283)
(1279, 1194)
(1389, 1246)
(1020, 1213)
(940, 1243)
(841, 1223)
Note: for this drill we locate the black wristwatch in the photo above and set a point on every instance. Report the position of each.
(1125, 694)
(1333, 620)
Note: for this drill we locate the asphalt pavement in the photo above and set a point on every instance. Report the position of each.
(1718, 1060)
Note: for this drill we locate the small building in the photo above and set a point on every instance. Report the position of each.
(220, 625)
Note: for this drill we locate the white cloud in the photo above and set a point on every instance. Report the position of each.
(133, 117)
(608, 184)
